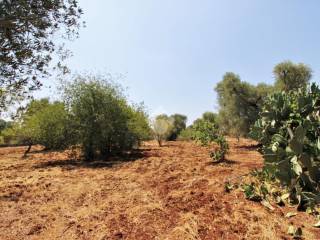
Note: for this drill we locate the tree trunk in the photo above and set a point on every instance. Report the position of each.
(27, 151)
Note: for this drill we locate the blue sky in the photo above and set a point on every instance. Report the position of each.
(173, 52)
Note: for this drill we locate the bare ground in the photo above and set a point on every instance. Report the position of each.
(173, 192)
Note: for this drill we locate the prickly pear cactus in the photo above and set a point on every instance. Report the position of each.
(289, 131)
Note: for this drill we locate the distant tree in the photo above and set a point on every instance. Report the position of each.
(162, 127)
(139, 124)
(41, 123)
(27, 28)
(240, 103)
(9, 135)
(4, 124)
(210, 117)
(179, 124)
(291, 76)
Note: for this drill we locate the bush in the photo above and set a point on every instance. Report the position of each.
(206, 132)
(106, 124)
(51, 127)
(186, 134)
(43, 123)
(288, 130)
(9, 135)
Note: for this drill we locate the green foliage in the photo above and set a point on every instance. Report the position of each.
(51, 127)
(210, 117)
(44, 123)
(290, 76)
(186, 134)
(240, 103)
(206, 132)
(139, 124)
(106, 124)
(219, 155)
(4, 124)
(27, 32)
(175, 123)
(288, 130)
(162, 127)
(9, 135)
(189, 132)
(179, 124)
(5, 136)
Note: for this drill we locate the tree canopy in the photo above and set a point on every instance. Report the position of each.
(179, 124)
(239, 103)
(291, 76)
(27, 28)
(105, 122)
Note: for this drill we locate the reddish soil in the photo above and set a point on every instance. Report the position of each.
(173, 192)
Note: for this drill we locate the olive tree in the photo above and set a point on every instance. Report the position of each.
(239, 103)
(41, 123)
(162, 126)
(291, 76)
(28, 33)
(106, 124)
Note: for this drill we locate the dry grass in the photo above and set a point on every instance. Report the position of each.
(173, 192)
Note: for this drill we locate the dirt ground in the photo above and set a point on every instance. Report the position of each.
(173, 192)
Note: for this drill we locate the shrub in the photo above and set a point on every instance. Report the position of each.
(51, 127)
(207, 132)
(204, 132)
(288, 130)
(9, 135)
(43, 123)
(106, 124)
(186, 134)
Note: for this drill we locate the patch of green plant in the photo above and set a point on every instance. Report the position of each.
(206, 132)
(288, 130)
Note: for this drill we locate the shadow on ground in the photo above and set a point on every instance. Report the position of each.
(253, 147)
(70, 164)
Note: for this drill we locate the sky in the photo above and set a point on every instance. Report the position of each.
(172, 53)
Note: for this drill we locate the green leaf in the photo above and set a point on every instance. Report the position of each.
(299, 133)
(296, 145)
(306, 160)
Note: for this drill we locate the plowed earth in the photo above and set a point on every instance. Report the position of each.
(173, 192)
